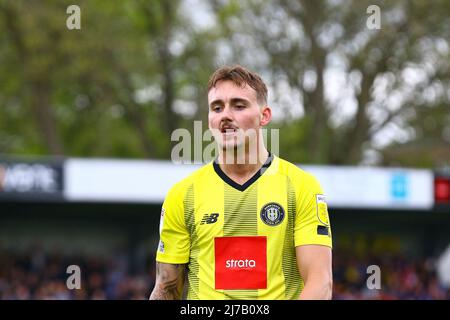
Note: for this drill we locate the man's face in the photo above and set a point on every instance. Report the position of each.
(234, 113)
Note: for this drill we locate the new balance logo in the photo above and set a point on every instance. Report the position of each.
(209, 218)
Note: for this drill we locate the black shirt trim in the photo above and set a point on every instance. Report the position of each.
(242, 187)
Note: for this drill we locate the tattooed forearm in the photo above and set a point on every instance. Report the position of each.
(169, 281)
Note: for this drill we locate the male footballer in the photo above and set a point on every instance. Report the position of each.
(248, 225)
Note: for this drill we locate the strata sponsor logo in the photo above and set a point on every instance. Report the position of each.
(241, 263)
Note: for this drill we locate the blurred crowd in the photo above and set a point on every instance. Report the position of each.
(401, 277)
(40, 275)
(35, 274)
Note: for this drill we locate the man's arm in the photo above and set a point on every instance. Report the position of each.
(314, 264)
(169, 281)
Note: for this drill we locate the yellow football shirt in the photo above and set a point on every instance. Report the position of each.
(239, 240)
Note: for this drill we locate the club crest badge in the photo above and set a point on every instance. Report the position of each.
(272, 214)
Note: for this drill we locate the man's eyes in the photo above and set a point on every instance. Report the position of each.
(219, 108)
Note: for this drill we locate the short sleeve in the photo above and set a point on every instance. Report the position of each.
(312, 224)
(174, 241)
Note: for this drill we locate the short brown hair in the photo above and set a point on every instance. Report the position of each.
(240, 76)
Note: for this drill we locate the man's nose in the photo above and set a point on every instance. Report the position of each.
(226, 113)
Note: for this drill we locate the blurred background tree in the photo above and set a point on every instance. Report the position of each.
(351, 94)
(137, 70)
(117, 87)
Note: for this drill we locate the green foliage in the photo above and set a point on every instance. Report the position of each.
(304, 40)
(113, 88)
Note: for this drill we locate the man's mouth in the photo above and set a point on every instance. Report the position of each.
(228, 130)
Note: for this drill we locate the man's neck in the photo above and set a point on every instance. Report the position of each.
(241, 171)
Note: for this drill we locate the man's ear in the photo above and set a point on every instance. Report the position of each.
(266, 116)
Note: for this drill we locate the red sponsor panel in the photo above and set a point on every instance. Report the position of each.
(240, 263)
(442, 189)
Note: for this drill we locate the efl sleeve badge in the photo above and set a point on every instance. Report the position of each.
(322, 209)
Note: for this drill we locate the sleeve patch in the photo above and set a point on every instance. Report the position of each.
(161, 220)
(322, 209)
(161, 246)
(322, 230)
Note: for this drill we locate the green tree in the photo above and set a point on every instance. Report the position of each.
(113, 88)
(341, 86)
